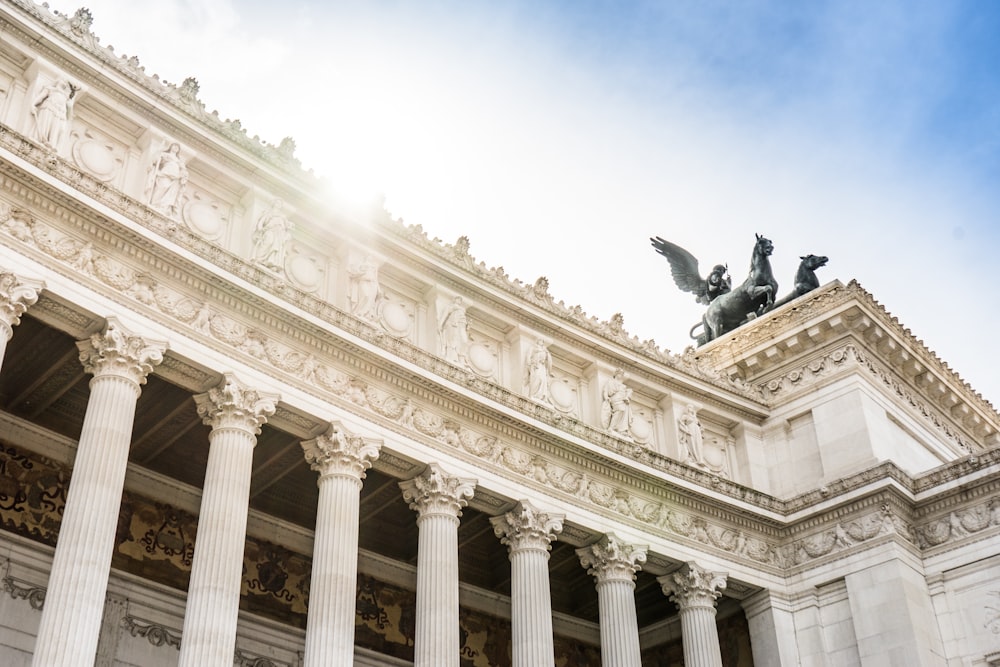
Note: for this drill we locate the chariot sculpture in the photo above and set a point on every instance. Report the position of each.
(728, 306)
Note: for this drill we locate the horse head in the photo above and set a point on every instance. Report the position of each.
(813, 262)
(763, 246)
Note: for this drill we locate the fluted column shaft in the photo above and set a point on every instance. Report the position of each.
(695, 591)
(528, 535)
(437, 498)
(613, 565)
(235, 414)
(74, 601)
(341, 460)
(16, 295)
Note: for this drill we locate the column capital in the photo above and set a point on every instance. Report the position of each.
(117, 352)
(526, 528)
(693, 586)
(611, 559)
(338, 452)
(436, 492)
(231, 404)
(16, 296)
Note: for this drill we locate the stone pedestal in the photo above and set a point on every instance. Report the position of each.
(613, 565)
(438, 500)
(528, 535)
(341, 460)
(695, 590)
(235, 414)
(74, 602)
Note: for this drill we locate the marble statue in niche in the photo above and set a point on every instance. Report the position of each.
(364, 293)
(454, 331)
(691, 436)
(616, 410)
(51, 112)
(165, 182)
(270, 237)
(538, 372)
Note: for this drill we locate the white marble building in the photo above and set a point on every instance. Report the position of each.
(239, 426)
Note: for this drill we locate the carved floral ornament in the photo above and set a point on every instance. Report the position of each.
(231, 405)
(115, 351)
(16, 296)
(612, 559)
(434, 492)
(526, 528)
(693, 586)
(338, 452)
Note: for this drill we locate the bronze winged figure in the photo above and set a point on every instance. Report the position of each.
(684, 270)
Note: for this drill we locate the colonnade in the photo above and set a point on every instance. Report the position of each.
(120, 362)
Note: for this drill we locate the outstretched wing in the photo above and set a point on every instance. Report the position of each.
(683, 267)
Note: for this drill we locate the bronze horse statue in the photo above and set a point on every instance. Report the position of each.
(745, 301)
(805, 279)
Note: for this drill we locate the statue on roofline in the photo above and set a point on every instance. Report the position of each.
(728, 306)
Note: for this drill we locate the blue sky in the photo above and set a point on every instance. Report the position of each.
(559, 136)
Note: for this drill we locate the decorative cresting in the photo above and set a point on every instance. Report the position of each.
(71, 621)
(235, 413)
(438, 499)
(341, 460)
(695, 590)
(16, 296)
(613, 564)
(528, 534)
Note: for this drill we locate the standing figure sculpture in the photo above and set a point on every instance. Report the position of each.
(616, 409)
(539, 371)
(166, 181)
(454, 331)
(691, 436)
(271, 236)
(364, 289)
(52, 110)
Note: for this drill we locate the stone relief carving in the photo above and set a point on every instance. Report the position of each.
(482, 356)
(96, 155)
(166, 179)
(453, 329)
(992, 621)
(690, 436)
(205, 216)
(959, 524)
(270, 237)
(616, 412)
(154, 633)
(364, 292)
(538, 373)
(51, 112)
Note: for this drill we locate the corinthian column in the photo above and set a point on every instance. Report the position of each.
(74, 601)
(528, 535)
(695, 590)
(341, 460)
(438, 500)
(16, 296)
(235, 414)
(613, 565)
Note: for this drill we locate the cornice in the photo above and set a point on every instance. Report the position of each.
(74, 32)
(839, 325)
